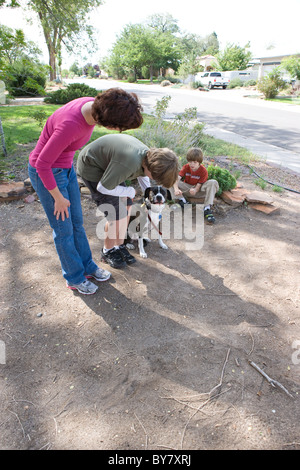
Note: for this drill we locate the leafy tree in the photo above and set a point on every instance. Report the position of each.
(11, 43)
(10, 4)
(63, 22)
(13, 46)
(135, 48)
(165, 31)
(25, 78)
(212, 45)
(292, 65)
(234, 57)
(21, 71)
(164, 23)
(75, 69)
(193, 47)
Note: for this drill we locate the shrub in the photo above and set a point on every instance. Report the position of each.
(73, 91)
(25, 78)
(178, 135)
(250, 82)
(40, 116)
(197, 85)
(235, 82)
(225, 179)
(271, 84)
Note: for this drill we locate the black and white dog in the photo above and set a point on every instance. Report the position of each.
(148, 217)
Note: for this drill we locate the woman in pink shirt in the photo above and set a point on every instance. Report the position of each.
(54, 179)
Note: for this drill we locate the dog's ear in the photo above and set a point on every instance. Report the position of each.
(169, 197)
(147, 192)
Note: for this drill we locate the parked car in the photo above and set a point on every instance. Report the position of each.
(212, 79)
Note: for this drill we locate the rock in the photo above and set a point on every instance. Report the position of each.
(267, 209)
(234, 197)
(256, 196)
(28, 186)
(9, 191)
(85, 190)
(30, 198)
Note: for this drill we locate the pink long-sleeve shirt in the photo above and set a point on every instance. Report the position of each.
(65, 131)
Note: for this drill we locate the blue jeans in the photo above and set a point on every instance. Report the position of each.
(69, 236)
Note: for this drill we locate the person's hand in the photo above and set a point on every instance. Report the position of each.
(177, 192)
(193, 191)
(61, 205)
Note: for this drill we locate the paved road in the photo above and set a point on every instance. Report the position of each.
(271, 130)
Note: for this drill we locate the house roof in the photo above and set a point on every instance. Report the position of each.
(276, 52)
(203, 57)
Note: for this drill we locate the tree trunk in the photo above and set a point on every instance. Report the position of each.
(52, 63)
(51, 46)
(151, 73)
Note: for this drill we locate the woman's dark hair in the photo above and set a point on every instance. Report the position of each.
(117, 108)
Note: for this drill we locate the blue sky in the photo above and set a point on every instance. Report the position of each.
(262, 22)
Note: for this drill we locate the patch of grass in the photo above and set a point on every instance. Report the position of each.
(261, 183)
(142, 82)
(277, 189)
(287, 99)
(23, 124)
(216, 147)
(19, 125)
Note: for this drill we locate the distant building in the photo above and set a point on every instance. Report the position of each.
(271, 59)
(208, 62)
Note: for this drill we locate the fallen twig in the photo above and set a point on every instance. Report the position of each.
(217, 387)
(273, 382)
(141, 424)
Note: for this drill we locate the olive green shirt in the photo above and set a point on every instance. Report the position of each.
(112, 159)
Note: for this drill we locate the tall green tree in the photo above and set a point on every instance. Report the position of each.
(63, 22)
(164, 23)
(135, 48)
(234, 57)
(292, 65)
(166, 33)
(193, 47)
(13, 46)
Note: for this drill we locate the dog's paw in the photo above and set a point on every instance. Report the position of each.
(143, 255)
(163, 246)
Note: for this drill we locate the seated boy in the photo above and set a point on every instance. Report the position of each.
(104, 165)
(196, 183)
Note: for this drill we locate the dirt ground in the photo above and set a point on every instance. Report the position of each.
(159, 358)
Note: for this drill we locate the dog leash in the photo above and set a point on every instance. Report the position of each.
(151, 221)
(157, 229)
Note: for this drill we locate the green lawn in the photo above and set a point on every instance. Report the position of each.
(287, 99)
(21, 127)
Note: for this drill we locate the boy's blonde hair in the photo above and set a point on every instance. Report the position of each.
(163, 166)
(194, 154)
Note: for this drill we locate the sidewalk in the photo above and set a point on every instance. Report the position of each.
(270, 153)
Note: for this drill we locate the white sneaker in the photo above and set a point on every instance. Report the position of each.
(86, 287)
(100, 275)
